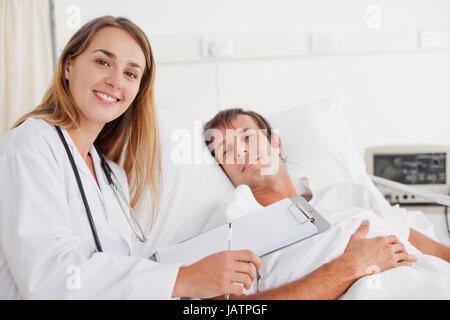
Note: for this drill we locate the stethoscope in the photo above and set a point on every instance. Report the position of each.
(117, 190)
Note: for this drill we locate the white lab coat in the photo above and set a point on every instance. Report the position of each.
(47, 249)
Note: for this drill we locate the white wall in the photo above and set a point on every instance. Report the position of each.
(396, 91)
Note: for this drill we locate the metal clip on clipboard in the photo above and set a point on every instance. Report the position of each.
(302, 210)
(305, 211)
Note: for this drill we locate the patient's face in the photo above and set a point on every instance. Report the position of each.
(244, 151)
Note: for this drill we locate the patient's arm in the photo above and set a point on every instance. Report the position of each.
(362, 257)
(428, 246)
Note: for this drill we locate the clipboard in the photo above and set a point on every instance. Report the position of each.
(263, 231)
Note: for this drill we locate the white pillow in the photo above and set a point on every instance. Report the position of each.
(316, 139)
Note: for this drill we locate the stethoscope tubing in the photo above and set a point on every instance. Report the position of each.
(83, 195)
(117, 190)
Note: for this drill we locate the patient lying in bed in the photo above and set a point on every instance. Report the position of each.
(260, 182)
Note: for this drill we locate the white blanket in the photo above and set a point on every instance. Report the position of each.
(345, 207)
(428, 278)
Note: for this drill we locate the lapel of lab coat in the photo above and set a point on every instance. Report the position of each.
(111, 208)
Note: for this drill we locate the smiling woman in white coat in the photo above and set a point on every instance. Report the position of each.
(66, 224)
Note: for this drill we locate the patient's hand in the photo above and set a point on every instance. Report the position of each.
(376, 254)
(217, 274)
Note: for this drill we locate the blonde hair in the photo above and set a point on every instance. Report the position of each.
(132, 139)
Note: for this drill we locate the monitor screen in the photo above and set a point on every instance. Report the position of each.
(418, 168)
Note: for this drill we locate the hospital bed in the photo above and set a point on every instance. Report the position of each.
(315, 138)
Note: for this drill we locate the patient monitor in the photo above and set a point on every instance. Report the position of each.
(423, 167)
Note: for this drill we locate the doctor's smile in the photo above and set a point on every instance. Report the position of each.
(105, 98)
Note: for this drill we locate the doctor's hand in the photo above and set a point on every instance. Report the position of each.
(218, 274)
(375, 255)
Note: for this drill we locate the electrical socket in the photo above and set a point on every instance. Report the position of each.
(323, 41)
(429, 39)
(217, 46)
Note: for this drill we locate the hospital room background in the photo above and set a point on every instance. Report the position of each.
(337, 78)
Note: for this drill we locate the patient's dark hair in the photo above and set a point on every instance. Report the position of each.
(223, 119)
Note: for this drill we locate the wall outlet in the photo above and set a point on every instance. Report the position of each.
(429, 39)
(217, 47)
(323, 41)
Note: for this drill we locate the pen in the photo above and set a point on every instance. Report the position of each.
(230, 233)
